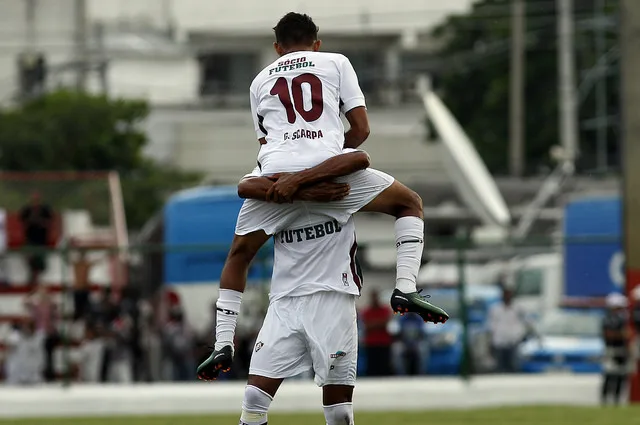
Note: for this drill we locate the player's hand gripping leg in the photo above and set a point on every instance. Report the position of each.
(218, 361)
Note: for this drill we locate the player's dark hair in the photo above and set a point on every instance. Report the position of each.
(296, 29)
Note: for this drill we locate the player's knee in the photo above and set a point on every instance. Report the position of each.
(339, 414)
(416, 201)
(255, 406)
(241, 251)
(410, 204)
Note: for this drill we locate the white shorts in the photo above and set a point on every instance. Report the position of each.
(272, 218)
(317, 331)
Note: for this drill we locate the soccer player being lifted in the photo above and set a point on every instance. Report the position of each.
(296, 104)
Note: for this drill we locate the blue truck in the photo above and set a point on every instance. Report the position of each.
(199, 225)
(568, 338)
(593, 254)
(444, 342)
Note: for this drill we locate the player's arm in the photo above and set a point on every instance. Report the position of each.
(359, 127)
(257, 188)
(261, 132)
(285, 188)
(353, 106)
(307, 185)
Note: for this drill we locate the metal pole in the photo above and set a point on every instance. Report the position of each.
(31, 6)
(65, 254)
(81, 53)
(465, 366)
(601, 88)
(102, 57)
(630, 111)
(516, 91)
(567, 80)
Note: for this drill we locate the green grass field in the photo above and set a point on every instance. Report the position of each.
(503, 416)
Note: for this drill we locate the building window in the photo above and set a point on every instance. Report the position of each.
(414, 64)
(370, 69)
(224, 74)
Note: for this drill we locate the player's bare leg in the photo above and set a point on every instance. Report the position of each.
(337, 401)
(406, 206)
(233, 281)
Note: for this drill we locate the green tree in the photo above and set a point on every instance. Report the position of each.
(72, 131)
(474, 79)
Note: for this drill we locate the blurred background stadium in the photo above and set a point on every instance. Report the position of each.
(124, 126)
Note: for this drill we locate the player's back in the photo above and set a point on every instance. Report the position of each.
(296, 103)
(315, 254)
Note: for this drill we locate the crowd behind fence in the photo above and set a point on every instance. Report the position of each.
(73, 326)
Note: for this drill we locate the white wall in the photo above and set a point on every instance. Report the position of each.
(260, 16)
(54, 23)
(159, 80)
(218, 142)
(223, 144)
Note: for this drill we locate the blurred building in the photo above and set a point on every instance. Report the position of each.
(194, 60)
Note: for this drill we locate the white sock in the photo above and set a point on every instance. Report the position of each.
(339, 414)
(409, 243)
(228, 307)
(255, 406)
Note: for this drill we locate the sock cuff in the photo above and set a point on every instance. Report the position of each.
(229, 295)
(229, 300)
(409, 227)
(262, 391)
(347, 403)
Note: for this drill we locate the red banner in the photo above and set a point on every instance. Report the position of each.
(633, 280)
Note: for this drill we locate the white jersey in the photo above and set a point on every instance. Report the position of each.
(296, 103)
(317, 254)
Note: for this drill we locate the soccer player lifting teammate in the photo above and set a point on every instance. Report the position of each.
(296, 104)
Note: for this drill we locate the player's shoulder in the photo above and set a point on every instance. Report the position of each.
(336, 58)
(259, 79)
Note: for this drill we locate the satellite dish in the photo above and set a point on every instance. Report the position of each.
(468, 172)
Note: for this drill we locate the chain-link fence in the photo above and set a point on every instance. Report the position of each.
(159, 325)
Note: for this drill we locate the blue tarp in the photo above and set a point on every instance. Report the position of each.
(199, 226)
(593, 249)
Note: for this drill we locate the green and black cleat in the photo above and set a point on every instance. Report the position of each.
(415, 302)
(218, 361)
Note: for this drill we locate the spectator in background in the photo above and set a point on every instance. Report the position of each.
(150, 344)
(4, 279)
(247, 329)
(25, 357)
(377, 339)
(410, 349)
(129, 298)
(44, 313)
(11, 360)
(179, 342)
(82, 286)
(635, 297)
(119, 349)
(105, 307)
(508, 327)
(635, 311)
(204, 338)
(615, 332)
(36, 219)
(91, 352)
(104, 311)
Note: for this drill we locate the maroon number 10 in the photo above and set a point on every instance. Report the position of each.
(295, 101)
